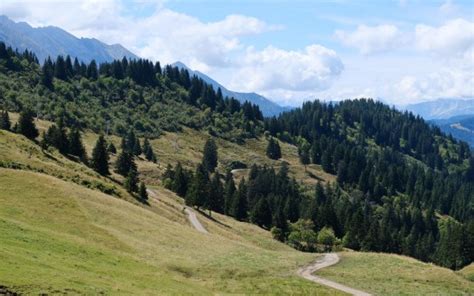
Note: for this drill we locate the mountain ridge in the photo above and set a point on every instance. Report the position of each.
(267, 107)
(53, 41)
(441, 108)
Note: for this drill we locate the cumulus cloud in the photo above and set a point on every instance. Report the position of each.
(162, 34)
(446, 83)
(453, 39)
(370, 40)
(313, 68)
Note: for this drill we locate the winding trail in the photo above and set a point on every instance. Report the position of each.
(192, 218)
(326, 260)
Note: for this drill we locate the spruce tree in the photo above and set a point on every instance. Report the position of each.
(142, 192)
(229, 190)
(273, 149)
(26, 125)
(100, 157)
(137, 149)
(124, 163)
(210, 158)
(5, 123)
(239, 204)
(148, 151)
(180, 182)
(132, 180)
(261, 214)
(47, 74)
(216, 192)
(76, 147)
(197, 193)
(56, 136)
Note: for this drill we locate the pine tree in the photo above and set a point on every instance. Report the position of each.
(124, 163)
(180, 181)
(303, 153)
(92, 73)
(261, 214)
(273, 149)
(210, 158)
(5, 123)
(239, 204)
(100, 157)
(47, 74)
(137, 149)
(142, 192)
(229, 190)
(111, 148)
(56, 137)
(148, 151)
(26, 125)
(76, 147)
(216, 192)
(132, 180)
(60, 68)
(197, 193)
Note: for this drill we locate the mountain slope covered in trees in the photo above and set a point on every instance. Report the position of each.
(402, 186)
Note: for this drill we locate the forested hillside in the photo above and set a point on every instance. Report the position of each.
(402, 185)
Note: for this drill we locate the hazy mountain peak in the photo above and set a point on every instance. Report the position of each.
(53, 41)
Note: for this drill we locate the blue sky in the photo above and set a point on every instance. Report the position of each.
(400, 51)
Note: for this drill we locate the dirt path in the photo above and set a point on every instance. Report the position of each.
(326, 260)
(194, 220)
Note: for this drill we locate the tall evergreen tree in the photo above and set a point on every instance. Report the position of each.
(239, 209)
(47, 74)
(142, 192)
(131, 182)
(273, 149)
(261, 214)
(216, 192)
(198, 192)
(26, 125)
(124, 163)
(76, 147)
(100, 157)
(5, 123)
(210, 158)
(180, 181)
(229, 190)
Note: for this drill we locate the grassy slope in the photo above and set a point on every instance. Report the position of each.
(57, 236)
(468, 272)
(387, 274)
(136, 248)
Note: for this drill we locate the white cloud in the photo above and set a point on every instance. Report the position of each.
(313, 68)
(446, 83)
(163, 34)
(453, 39)
(370, 40)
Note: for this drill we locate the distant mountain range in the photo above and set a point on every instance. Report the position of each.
(461, 127)
(54, 41)
(442, 108)
(267, 107)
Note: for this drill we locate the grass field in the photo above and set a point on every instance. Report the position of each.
(468, 272)
(59, 233)
(386, 274)
(64, 238)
